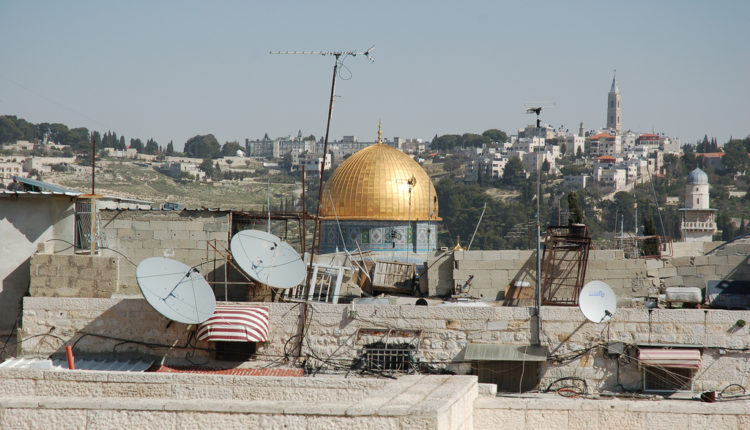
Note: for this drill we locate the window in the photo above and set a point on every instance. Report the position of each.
(82, 237)
(657, 378)
(666, 369)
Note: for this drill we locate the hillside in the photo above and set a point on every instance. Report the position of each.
(136, 181)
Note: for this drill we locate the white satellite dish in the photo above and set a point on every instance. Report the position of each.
(597, 301)
(175, 290)
(268, 259)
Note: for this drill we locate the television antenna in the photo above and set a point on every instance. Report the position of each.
(267, 259)
(537, 109)
(340, 56)
(597, 301)
(175, 290)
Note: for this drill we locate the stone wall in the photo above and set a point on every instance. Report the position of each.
(495, 271)
(86, 399)
(61, 275)
(336, 334)
(181, 235)
(727, 263)
(577, 414)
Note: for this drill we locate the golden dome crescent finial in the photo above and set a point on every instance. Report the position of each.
(380, 131)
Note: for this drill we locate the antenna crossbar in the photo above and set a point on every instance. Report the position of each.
(337, 54)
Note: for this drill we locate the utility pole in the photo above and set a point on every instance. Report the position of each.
(340, 56)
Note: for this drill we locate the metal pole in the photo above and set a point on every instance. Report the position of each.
(538, 257)
(92, 205)
(268, 203)
(322, 171)
(304, 214)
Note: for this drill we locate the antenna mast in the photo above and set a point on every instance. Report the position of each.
(340, 56)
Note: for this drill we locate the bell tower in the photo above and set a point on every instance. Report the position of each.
(613, 106)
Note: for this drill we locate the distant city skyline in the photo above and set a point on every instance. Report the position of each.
(170, 70)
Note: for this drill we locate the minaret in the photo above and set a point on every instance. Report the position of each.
(581, 130)
(613, 106)
(380, 131)
(698, 219)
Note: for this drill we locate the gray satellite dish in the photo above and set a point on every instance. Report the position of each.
(268, 259)
(597, 301)
(175, 290)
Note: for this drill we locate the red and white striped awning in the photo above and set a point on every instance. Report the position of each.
(235, 323)
(679, 357)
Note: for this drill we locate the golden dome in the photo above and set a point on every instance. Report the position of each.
(374, 184)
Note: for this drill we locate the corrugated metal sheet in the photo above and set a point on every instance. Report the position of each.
(80, 363)
(36, 193)
(44, 185)
(498, 352)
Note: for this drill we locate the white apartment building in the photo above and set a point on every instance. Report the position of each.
(577, 182)
(604, 144)
(573, 143)
(613, 178)
(525, 144)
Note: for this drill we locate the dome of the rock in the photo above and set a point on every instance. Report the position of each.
(379, 199)
(379, 183)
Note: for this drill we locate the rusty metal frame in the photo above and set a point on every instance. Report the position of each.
(564, 262)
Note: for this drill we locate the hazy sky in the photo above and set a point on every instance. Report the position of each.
(171, 70)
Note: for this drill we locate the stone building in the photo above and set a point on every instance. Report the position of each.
(380, 200)
(698, 219)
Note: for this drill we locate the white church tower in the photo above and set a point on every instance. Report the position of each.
(698, 221)
(613, 107)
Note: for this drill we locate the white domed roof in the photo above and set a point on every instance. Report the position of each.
(698, 177)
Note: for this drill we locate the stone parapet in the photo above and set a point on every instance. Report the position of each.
(86, 399)
(339, 333)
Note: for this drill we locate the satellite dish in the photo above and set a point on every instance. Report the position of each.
(175, 290)
(597, 301)
(268, 259)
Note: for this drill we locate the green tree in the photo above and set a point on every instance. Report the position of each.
(207, 166)
(513, 174)
(735, 157)
(170, 148)
(136, 144)
(151, 147)
(624, 204)
(286, 162)
(495, 135)
(9, 133)
(574, 209)
(202, 146)
(230, 148)
(452, 163)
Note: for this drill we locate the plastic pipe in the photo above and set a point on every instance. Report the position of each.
(71, 359)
